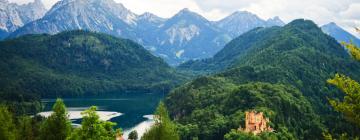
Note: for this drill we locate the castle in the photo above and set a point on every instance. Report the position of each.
(256, 123)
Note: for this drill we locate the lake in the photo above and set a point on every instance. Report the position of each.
(129, 111)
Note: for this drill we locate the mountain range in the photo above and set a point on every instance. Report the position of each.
(14, 16)
(98, 47)
(185, 36)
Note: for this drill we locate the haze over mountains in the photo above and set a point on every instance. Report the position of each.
(185, 36)
(339, 34)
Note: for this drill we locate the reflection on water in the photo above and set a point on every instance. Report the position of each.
(74, 115)
(127, 111)
(142, 127)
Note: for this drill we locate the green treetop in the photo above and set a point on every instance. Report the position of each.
(350, 105)
(133, 135)
(164, 128)
(7, 127)
(57, 126)
(92, 128)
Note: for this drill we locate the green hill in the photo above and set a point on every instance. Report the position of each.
(78, 63)
(298, 55)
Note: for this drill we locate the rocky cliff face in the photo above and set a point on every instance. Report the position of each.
(186, 36)
(14, 16)
(94, 15)
(242, 21)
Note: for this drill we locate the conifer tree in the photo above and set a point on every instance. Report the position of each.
(57, 126)
(133, 135)
(28, 128)
(7, 127)
(164, 128)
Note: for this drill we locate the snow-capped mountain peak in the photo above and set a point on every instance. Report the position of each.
(94, 15)
(187, 35)
(88, 7)
(13, 16)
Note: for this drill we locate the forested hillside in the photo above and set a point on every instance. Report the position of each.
(298, 56)
(76, 63)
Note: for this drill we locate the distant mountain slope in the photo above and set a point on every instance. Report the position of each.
(242, 21)
(297, 55)
(147, 25)
(104, 16)
(186, 36)
(339, 34)
(80, 63)
(236, 48)
(13, 16)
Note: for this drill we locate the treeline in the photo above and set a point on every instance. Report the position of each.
(21, 104)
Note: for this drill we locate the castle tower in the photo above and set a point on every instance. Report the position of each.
(256, 123)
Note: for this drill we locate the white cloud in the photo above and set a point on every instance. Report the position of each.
(343, 12)
(353, 12)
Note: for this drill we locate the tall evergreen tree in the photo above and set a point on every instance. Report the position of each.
(164, 128)
(7, 127)
(57, 126)
(28, 127)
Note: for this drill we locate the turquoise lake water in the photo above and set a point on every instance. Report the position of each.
(132, 106)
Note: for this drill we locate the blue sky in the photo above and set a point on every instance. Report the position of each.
(345, 13)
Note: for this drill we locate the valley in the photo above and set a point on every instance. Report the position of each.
(96, 70)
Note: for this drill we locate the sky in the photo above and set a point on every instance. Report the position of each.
(346, 13)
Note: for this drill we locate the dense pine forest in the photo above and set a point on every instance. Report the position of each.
(283, 72)
(80, 63)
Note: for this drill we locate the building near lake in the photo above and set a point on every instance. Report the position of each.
(256, 123)
(119, 137)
